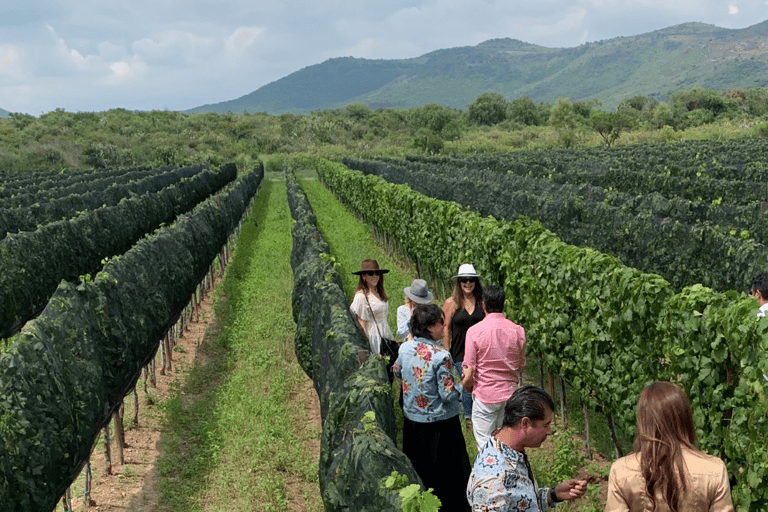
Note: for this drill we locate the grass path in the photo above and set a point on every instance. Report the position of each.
(245, 428)
(351, 241)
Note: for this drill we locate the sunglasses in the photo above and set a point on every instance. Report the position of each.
(467, 279)
(371, 273)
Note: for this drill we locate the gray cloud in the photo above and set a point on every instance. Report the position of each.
(92, 55)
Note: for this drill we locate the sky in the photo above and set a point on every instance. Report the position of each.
(94, 55)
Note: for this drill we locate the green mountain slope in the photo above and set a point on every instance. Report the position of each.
(4, 113)
(654, 64)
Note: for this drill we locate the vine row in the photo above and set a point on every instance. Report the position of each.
(606, 328)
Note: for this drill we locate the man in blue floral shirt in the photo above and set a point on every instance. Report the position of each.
(502, 479)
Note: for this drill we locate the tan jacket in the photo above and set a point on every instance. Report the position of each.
(708, 487)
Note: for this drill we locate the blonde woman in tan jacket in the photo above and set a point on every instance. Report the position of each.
(667, 472)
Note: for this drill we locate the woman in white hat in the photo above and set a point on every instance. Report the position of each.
(370, 304)
(463, 309)
(417, 293)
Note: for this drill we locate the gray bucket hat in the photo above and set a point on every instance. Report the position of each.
(418, 292)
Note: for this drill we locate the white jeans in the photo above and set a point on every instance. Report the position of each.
(485, 419)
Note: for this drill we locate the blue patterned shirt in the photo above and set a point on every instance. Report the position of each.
(431, 386)
(500, 482)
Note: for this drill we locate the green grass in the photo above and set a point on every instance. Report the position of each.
(351, 240)
(240, 439)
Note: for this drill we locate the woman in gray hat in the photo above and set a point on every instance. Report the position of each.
(417, 293)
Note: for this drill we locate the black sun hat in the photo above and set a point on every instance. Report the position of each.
(370, 266)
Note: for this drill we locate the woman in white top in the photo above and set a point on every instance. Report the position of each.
(370, 305)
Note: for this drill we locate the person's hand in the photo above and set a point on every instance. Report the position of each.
(467, 382)
(570, 489)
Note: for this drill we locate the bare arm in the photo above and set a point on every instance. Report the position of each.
(467, 382)
(364, 325)
(449, 308)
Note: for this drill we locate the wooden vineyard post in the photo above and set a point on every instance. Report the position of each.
(107, 452)
(66, 500)
(163, 355)
(167, 361)
(551, 384)
(541, 371)
(87, 484)
(136, 404)
(563, 408)
(117, 419)
(587, 444)
(196, 299)
(614, 438)
(152, 376)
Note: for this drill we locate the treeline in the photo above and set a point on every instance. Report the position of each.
(122, 138)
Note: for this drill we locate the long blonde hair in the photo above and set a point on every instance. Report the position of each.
(664, 428)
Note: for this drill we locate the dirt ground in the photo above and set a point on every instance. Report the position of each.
(133, 485)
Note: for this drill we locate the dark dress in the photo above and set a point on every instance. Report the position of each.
(460, 324)
(440, 445)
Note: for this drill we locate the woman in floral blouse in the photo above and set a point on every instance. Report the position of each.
(432, 436)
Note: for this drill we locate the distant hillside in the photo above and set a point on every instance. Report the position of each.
(4, 113)
(654, 64)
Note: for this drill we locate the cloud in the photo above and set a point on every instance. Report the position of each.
(175, 48)
(10, 65)
(143, 54)
(240, 44)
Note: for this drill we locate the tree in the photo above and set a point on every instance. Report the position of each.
(663, 116)
(488, 109)
(610, 124)
(443, 121)
(562, 118)
(523, 111)
(358, 111)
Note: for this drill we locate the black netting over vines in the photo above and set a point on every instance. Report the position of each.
(35, 262)
(355, 457)
(69, 369)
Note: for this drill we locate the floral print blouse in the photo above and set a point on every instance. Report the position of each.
(431, 385)
(500, 482)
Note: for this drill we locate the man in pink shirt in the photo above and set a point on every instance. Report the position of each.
(494, 359)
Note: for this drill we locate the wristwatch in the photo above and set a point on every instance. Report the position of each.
(553, 495)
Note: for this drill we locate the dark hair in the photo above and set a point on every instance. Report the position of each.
(423, 317)
(760, 284)
(458, 294)
(493, 298)
(527, 402)
(362, 286)
(664, 427)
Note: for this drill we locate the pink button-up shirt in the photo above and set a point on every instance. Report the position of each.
(495, 349)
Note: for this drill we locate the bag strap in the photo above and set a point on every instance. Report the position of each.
(365, 294)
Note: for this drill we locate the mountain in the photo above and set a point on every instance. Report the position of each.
(653, 64)
(4, 113)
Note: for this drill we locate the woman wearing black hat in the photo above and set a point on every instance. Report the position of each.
(370, 305)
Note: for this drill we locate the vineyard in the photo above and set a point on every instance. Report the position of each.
(624, 265)
(66, 373)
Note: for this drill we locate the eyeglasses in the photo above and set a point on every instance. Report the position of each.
(370, 273)
(467, 280)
